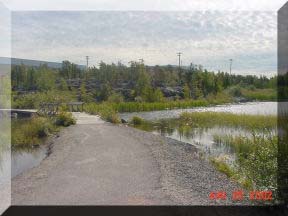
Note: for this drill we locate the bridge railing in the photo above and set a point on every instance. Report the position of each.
(54, 108)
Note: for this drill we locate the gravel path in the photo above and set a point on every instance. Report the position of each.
(185, 176)
(98, 163)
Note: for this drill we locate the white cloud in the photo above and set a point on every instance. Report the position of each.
(208, 37)
(5, 31)
(165, 5)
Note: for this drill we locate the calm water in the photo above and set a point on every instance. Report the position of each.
(26, 158)
(203, 138)
(23, 160)
(264, 108)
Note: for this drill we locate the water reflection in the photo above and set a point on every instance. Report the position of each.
(206, 139)
(254, 108)
(24, 158)
(5, 138)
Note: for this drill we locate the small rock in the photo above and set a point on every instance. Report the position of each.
(123, 121)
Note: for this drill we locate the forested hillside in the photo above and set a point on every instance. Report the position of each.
(137, 82)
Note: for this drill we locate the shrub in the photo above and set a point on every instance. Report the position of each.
(236, 91)
(256, 160)
(105, 110)
(32, 100)
(65, 119)
(115, 98)
(137, 120)
(28, 133)
(260, 94)
(221, 166)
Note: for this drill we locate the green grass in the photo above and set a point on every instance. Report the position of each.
(256, 160)
(145, 106)
(25, 133)
(221, 166)
(137, 120)
(5, 133)
(209, 119)
(179, 104)
(255, 166)
(32, 100)
(260, 94)
(105, 110)
(65, 119)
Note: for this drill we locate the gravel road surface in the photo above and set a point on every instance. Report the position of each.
(98, 163)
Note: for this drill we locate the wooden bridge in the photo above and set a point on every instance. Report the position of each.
(53, 108)
(14, 113)
(44, 109)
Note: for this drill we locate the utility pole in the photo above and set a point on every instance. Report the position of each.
(87, 61)
(231, 60)
(179, 56)
(87, 64)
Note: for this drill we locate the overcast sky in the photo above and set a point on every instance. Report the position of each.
(245, 5)
(209, 38)
(208, 34)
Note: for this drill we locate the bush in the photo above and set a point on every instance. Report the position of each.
(137, 120)
(28, 133)
(221, 166)
(260, 94)
(256, 160)
(115, 98)
(65, 119)
(235, 91)
(32, 100)
(105, 110)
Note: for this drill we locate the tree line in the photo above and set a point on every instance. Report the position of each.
(140, 82)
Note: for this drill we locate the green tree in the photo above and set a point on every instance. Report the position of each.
(143, 83)
(63, 85)
(115, 98)
(46, 79)
(186, 91)
(105, 91)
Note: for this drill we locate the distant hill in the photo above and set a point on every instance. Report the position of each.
(33, 63)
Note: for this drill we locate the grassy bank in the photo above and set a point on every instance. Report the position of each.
(208, 119)
(109, 111)
(179, 104)
(105, 110)
(255, 153)
(255, 165)
(256, 160)
(144, 106)
(254, 94)
(27, 133)
(260, 94)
